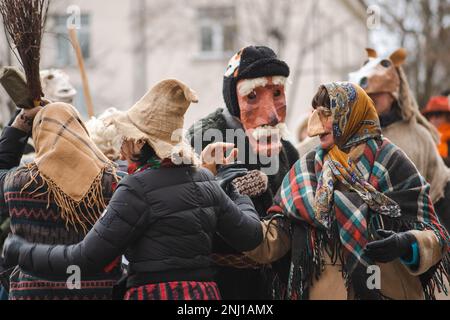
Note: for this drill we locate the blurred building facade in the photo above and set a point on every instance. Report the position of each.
(130, 45)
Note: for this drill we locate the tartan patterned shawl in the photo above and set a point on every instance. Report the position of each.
(352, 222)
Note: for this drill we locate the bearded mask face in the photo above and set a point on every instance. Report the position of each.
(262, 103)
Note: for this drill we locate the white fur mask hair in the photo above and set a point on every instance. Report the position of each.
(280, 130)
(248, 85)
(279, 80)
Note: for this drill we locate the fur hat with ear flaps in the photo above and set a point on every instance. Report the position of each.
(249, 63)
(158, 117)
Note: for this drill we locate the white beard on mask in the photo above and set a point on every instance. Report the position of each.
(269, 138)
(280, 130)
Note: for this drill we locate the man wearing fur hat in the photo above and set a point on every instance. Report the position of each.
(254, 120)
(384, 80)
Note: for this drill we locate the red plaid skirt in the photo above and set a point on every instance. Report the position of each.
(175, 291)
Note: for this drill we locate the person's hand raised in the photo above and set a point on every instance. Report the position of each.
(215, 154)
(25, 118)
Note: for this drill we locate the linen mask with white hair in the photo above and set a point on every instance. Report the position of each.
(262, 102)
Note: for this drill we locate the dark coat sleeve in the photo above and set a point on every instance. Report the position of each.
(442, 207)
(291, 152)
(12, 145)
(124, 220)
(238, 222)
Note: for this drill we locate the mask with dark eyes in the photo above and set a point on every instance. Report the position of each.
(386, 63)
(262, 103)
(380, 75)
(252, 96)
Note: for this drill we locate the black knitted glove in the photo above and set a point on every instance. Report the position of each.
(391, 247)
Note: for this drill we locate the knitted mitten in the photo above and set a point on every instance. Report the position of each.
(253, 184)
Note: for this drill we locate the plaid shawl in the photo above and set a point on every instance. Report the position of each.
(338, 203)
(352, 222)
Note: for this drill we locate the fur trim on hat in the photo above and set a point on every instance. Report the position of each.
(246, 86)
(279, 80)
(250, 63)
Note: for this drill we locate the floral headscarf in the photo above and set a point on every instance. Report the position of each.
(336, 201)
(355, 121)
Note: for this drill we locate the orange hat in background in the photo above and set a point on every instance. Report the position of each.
(437, 104)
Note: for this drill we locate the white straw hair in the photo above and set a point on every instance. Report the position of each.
(183, 153)
(106, 137)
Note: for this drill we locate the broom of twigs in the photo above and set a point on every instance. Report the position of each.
(24, 22)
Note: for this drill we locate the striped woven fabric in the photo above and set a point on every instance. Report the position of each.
(175, 291)
(57, 198)
(28, 287)
(38, 221)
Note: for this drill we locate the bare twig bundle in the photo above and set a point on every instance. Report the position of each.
(24, 21)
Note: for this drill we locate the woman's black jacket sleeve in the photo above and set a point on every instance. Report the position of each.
(125, 220)
(12, 145)
(239, 223)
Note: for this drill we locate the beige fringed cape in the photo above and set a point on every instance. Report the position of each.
(56, 199)
(69, 165)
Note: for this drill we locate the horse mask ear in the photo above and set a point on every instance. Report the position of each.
(371, 53)
(399, 57)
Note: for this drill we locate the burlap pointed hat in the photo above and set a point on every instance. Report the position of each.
(158, 117)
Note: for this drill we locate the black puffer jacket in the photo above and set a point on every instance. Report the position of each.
(237, 283)
(164, 221)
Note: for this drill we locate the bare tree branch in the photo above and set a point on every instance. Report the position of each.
(420, 27)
